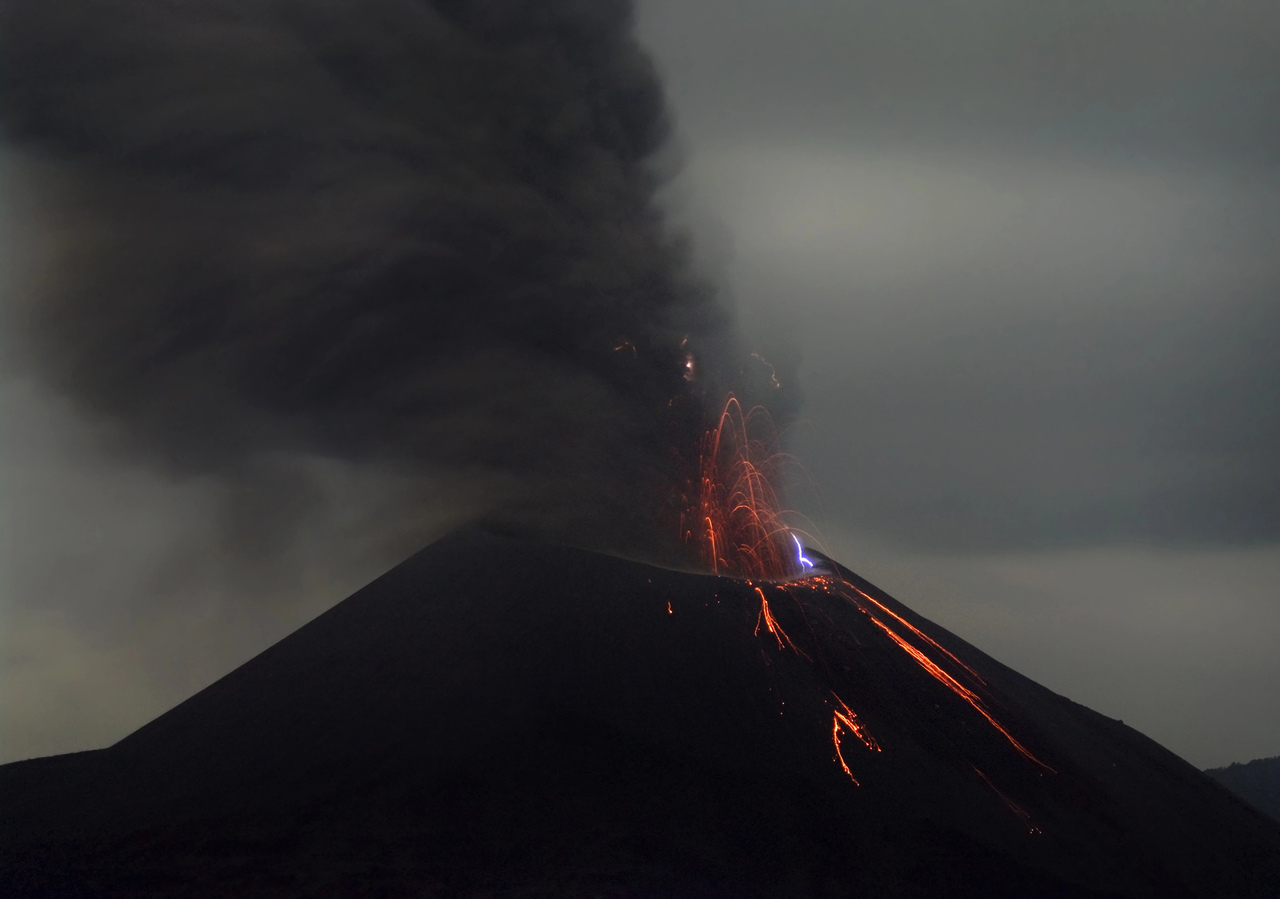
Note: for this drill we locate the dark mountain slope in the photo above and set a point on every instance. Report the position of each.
(496, 717)
(1258, 782)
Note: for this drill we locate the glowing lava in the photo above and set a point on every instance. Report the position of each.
(845, 718)
(737, 523)
(771, 624)
(878, 611)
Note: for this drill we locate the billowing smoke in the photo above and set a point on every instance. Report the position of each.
(416, 234)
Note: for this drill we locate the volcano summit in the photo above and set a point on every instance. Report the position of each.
(501, 717)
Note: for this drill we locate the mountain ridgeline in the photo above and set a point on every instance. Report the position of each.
(1258, 782)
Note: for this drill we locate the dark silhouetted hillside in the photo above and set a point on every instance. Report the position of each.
(1257, 781)
(504, 718)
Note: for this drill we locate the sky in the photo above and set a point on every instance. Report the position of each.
(1019, 261)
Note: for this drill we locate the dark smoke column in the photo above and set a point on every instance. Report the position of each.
(412, 234)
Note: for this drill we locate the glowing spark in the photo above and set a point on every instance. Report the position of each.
(835, 738)
(740, 528)
(670, 611)
(1009, 803)
(959, 689)
(915, 630)
(805, 563)
(844, 717)
(771, 624)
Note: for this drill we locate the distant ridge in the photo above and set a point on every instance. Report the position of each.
(496, 717)
(1258, 782)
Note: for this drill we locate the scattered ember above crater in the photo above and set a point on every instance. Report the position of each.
(737, 522)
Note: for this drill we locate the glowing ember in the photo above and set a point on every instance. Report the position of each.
(1009, 803)
(952, 684)
(771, 624)
(845, 718)
(737, 521)
(911, 627)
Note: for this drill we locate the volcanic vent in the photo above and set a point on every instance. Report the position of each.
(502, 717)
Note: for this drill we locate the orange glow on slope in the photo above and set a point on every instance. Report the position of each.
(771, 624)
(871, 608)
(844, 717)
(737, 521)
(915, 630)
(835, 738)
(959, 689)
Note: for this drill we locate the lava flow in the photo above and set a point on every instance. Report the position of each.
(739, 529)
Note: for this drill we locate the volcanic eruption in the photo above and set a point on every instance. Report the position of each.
(502, 717)
(421, 235)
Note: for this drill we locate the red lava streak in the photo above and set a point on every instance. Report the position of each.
(915, 630)
(845, 718)
(771, 624)
(857, 597)
(736, 522)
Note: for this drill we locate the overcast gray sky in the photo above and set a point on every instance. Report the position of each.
(1023, 260)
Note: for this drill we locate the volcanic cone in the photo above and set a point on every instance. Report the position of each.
(499, 717)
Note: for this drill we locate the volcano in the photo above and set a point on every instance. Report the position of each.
(501, 717)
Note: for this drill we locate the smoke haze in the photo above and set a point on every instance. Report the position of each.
(415, 235)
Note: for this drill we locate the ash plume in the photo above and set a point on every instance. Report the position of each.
(418, 235)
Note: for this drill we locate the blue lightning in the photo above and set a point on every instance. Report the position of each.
(804, 563)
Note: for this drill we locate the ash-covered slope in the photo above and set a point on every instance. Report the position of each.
(496, 717)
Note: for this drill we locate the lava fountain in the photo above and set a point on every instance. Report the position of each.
(737, 523)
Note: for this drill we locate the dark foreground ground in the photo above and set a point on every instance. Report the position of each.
(502, 718)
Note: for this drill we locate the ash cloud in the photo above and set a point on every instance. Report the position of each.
(404, 233)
